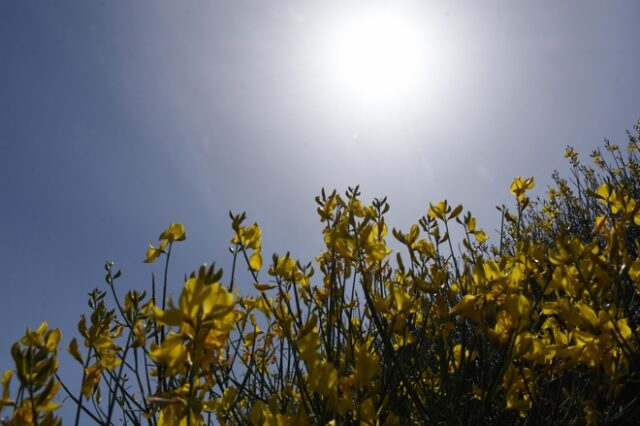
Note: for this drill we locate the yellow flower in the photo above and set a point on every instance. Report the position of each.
(308, 342)
(374, 243)
(466, 305)
(175, 232)
(520, 186)
(172, 352)
(323, 378)
(249, 237)
(153, 253)
(439, 210)
(519, 307)
(200, 303)
(204, 314)
(367, 363)
(6, 395)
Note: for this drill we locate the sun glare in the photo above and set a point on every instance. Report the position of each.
(377, 57)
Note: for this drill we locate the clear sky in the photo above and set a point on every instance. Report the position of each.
(120, 117)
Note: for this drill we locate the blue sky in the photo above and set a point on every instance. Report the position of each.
(118, 118)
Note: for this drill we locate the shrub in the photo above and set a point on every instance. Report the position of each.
(541, 328)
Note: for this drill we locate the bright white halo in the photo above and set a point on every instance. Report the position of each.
(377, 57)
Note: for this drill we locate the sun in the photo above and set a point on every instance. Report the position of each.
(377, 56)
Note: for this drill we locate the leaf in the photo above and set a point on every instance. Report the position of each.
(264, 287)
(456, 211)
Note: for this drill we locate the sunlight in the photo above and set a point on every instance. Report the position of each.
(376, 56)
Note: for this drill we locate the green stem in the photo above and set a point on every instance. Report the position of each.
(84, 377)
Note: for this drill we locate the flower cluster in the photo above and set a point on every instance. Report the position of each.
(542, 327)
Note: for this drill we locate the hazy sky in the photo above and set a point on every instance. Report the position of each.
(119, 117)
